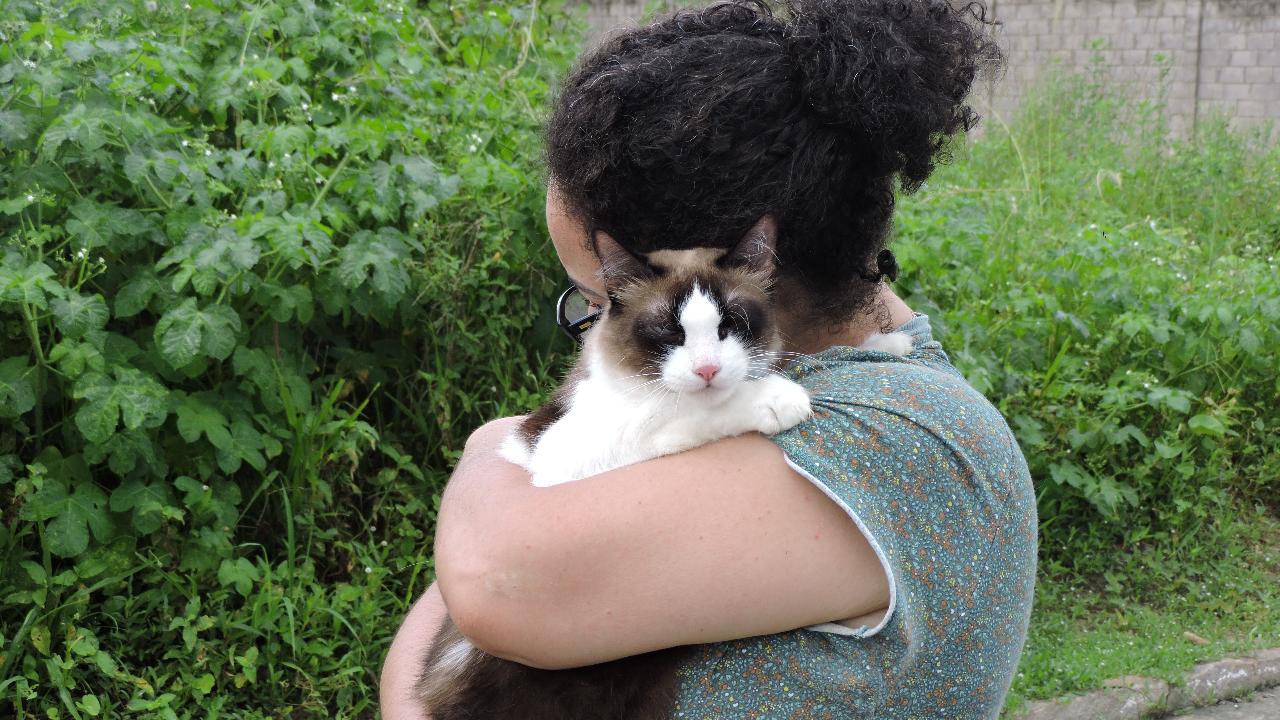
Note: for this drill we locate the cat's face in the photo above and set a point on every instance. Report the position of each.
(697, 322)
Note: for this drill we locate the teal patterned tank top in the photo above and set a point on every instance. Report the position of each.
(931, 474)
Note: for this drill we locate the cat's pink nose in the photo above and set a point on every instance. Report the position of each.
(706, 372)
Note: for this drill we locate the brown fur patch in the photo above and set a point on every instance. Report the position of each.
(556, 406)
(640, 687)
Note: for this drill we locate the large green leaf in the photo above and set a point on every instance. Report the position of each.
(376, 258)
(147, 503)
(123, 452)
(132, 396)
(239, 573)
(17, 387)
(29, 285)
(74, 357)
(71, 514)
(187, 332)
(75, 315)
(134, 295)
(197, 417)
(96, 225)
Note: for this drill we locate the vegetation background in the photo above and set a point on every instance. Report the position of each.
(266, 265)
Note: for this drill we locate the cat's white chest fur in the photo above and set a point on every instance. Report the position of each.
(609, 426)
(611, 423)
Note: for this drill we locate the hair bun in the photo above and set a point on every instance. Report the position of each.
(893, 73)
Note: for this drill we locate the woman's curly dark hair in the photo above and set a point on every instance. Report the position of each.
(682, 133)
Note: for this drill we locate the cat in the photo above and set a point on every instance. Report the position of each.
(682, 355)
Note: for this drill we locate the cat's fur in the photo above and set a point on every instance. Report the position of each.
(682, 356)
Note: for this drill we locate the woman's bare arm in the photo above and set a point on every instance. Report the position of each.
(404, 659)
(720, 542)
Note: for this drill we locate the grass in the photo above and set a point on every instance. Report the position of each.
(1082, 635)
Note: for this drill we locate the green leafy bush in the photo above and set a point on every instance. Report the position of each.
(1114, 291)
(264, 267)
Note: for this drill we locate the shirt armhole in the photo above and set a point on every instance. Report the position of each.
(835, 628)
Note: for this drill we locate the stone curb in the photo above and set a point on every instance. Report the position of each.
(1133, 698)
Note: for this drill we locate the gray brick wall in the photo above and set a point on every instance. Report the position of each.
(1215, 55)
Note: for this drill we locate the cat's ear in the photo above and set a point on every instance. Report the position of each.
(618, 265)
(757, 250)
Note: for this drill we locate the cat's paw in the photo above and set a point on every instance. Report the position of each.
(894, 343)
(781, 405)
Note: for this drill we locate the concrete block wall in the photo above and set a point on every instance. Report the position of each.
(606, 15)
(1240, 59)
(1213, 55)
(1204, 55)
(1137, 43)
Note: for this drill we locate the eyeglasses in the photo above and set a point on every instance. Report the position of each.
(574, 313)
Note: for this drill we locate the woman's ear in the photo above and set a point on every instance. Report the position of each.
(757, 250)
(617, 264)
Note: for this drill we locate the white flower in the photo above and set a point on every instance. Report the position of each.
(334, 96)
(305, 106)
(80, 254)
(29, 63)
(185, 143)
(471, 148)
(101, 260)
(319, 180)
(271, 164)
(383, 543)
(207, 153)
(252, 83)
(31, 198)
(367, 569)
(286, 156)
(202, 487)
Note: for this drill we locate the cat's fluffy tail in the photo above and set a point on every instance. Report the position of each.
(894, 343)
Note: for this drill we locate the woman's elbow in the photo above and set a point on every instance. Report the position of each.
(493, 626)
(489, 610)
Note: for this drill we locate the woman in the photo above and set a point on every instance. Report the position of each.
(876, 561)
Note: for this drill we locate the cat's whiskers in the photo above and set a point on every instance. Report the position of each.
(656, 385)
(639, 375)
(789, 356)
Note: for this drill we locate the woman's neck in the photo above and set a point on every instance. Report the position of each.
(805, 336)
